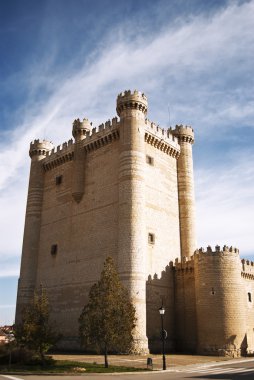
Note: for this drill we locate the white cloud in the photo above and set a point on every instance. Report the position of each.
(225, 205)
(187, 66)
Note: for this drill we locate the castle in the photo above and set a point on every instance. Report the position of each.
(126, 190)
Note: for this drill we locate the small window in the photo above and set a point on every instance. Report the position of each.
(212, 292)
(149, 160)
(249, 297)
(53, 249)
(59, 179)
(151, 238)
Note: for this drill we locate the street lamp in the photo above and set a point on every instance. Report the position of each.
(163, 336)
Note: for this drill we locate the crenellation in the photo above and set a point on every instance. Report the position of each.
(115, 121)
(108, 124)
(247, 268)
(185, 265)
(217, 250)
(135, 93)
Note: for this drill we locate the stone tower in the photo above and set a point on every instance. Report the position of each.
(132, 109)
(31, 239)
(220, 302)
(185, 136)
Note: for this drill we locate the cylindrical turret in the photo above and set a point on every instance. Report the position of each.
(28, 271)
(186, 196)
(220, 302)
(132, 240)
(79, 132)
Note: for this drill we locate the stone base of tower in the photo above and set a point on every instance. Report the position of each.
(224, 351)
(140, 346)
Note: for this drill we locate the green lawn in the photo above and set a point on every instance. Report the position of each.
(65, 366)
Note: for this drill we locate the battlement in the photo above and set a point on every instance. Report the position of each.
(163, 275)
(217, 251)
(165, 134)
(59, 155)
(135, 93)
(184, 133)
(131, 100)
(186, 264)
(80, 128)
(40, 147)
(94, 138)
(247, 269)
(66, 146)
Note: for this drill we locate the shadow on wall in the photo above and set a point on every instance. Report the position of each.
(244, 346)
(160, 291)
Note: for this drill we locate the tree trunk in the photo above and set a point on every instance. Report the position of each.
(106, 355)
(42, 357)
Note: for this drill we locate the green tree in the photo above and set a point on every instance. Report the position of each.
(108, 320)
(35, 331)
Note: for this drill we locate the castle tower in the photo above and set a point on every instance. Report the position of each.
(79, 131)
(186, 196)
(220, 302)
(28, 271)
(132, 109)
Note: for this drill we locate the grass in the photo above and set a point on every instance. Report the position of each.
(66, 366)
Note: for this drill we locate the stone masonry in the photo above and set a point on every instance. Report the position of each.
(126, 190)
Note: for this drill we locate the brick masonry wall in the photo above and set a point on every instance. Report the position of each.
(221, 311)
(185, 306)
(86, 233)
(247, 272)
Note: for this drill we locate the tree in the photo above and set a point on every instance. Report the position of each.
(108, 319)
(35, 332)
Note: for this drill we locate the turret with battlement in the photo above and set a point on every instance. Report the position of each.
(132, 108)
(27, 283)
(80, 131)
(186, 195)
(220, 301)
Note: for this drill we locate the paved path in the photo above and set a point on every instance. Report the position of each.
(231, 370)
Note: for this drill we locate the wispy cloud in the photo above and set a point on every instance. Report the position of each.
(201, 67)
(225, 205)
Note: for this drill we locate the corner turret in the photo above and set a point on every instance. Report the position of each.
(79, 132)
(128, 101)
(186, 196)
(30, 251)
(80, 128)
(219, 288)
(132, 108)
(185, 133)
(39, 149)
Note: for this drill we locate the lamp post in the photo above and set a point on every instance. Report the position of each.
(163, 336)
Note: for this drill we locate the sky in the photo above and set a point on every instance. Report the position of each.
(194, 59)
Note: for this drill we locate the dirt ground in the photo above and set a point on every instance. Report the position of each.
(141, 361)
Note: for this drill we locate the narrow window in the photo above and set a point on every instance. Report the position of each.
(59, 179)
(249, 297)
(149, 160)
(53, 249)
(212, 292)
(151, 238)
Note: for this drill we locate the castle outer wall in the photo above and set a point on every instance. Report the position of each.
(209, 304)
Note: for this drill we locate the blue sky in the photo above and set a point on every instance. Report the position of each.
(66, 59)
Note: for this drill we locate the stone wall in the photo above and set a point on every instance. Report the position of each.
(247, 272)
(85, 234)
